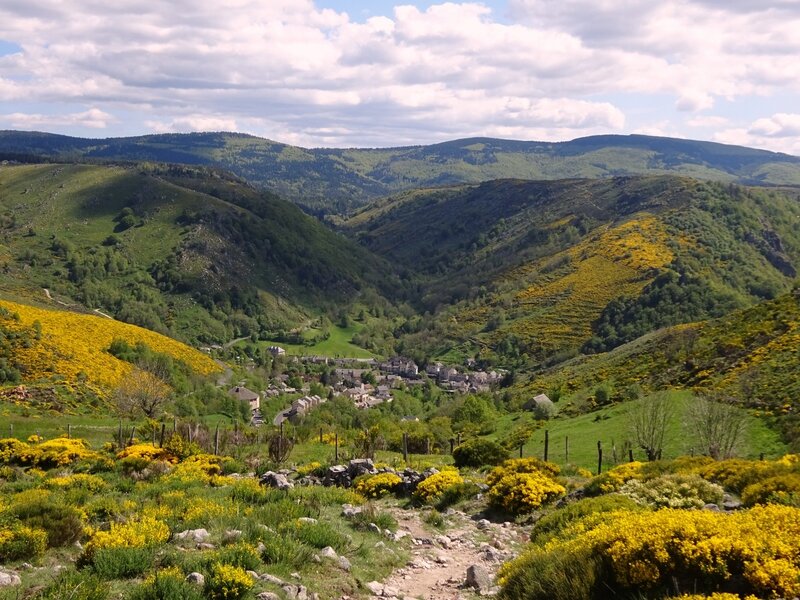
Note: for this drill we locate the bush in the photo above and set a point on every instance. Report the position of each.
(376, 486)
(456, 493)
(368, 515)
(75, 585)
(522, 465)
(736, 474)
(167, 584)
(781, 489)
(613, 479)
(122, 563)
(552, 524)
(288, 551)
(239, 555)
(673, 491)
(522, 493)
(755, 551)
(317, 535)
(63, 523)
(226, 582)
(20, 542)
(478, 452)
(430, 490)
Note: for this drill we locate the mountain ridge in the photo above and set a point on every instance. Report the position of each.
(336, 180)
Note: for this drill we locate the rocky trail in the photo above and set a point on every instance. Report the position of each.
(458, 562)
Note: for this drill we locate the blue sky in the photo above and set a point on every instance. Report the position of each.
(382, 73)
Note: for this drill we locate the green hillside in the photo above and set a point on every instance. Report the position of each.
(336, 180)
(189, 252)
(526, 273)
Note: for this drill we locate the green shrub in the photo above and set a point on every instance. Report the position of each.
(226, 582)
(673, 491)
(369, 514)
(20, 542)
(478, 452)
(239, 555)
(168, 584)
(318, 535)
(457, 493)
(121, 562)
(75, 585)
(63, 523)
(287, 551)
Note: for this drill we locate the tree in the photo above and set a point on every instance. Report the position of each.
(141, 392)
(718, 425)
(649, 418)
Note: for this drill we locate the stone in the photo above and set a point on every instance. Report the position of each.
(7, 578)
(374, 528)
(231, 535)
(375, 588)
(443, 541)
(295, 592)
(205, 546)
(492, 554)
(711, 506)
(389, 592)
(196, 578)
(478, 578)
(349, 511)
(361, 466)
(272, 579)
(307, 520)
(252, 574)
(483, 524)
(276, 480)
(193, 535)
(268, 596)
(328, 552)
(344, 564)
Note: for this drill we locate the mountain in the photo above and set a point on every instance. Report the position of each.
(528, 273)
(337, 180)
(187, 251)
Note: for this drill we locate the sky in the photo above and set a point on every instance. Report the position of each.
(371, 73)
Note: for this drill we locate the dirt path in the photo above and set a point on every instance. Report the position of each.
(437, 568)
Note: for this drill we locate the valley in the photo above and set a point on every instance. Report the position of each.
(479, 355)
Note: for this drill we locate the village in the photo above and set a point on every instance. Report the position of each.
(366, 382)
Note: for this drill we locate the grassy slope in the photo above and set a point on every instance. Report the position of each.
(226, 257)
(336, 179)
(611, 427)
(550, 256)
(338, 345)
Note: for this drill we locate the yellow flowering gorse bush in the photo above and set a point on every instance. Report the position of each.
(377, 486)
(430, 489)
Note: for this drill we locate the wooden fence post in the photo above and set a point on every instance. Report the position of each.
(69, 430)
(320, 435)
(566, 449)
(599, 457)
(630, 454)
(133, 433)
(427, 445)
(119, 434)
(405, 448)
(161, 439)
(336, 447)
(546, 444)
(216, 440)
(452, 444)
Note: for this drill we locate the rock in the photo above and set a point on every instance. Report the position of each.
(252, 574)
(374, 528)
(268, 596)
(375, 588)
(193, 535)
(443, 541)
(344, 564)
(361, 466)
(337, 475)
(7, 578)
(196, 578)
(26, 566)
(295, 592)
(478, 578)
(205, 546)
(731, 503)
(349, 511)
(272, 579)
(483, 524)
(328, 552)
(231, 535)
(276, 480)
(390, 592)
(307, 520)
(711, 506)
(492, 554)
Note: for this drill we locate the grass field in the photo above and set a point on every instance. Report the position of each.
(610, 426)
(338, 345)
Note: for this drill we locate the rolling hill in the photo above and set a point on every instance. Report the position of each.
(532, 272)
(190, 252)
(337, 180)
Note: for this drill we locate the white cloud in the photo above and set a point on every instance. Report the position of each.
(288, 68)
(779, 125)
(779, 132)
(92, 118)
